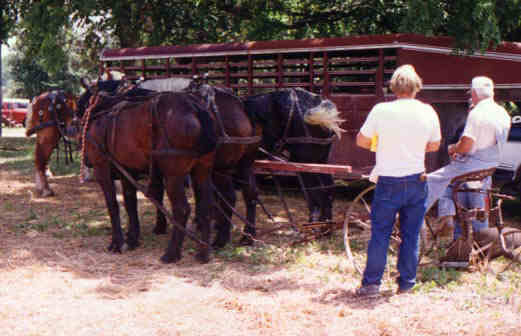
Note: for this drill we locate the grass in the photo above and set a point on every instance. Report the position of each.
(72, 231)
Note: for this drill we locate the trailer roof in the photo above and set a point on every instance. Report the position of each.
(510, 51)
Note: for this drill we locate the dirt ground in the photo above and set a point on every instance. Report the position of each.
(56, 278)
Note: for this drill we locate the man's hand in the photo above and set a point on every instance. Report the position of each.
(462, 147)
(363, 141)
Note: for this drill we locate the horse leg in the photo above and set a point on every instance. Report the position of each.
(311, 183)
(104, 178)
(156, 191)
(327, 198)
(130, 201)
(224, 184)
(201, 184)
(250, 195)
(181, 210)
(42, 154)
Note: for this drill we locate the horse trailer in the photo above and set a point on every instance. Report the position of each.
(353, 72)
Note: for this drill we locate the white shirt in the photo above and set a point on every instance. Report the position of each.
(404, 127)
(483, 121)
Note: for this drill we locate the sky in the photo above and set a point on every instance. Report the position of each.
(5, 49)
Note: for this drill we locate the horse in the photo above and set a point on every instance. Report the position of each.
(165, 135)
(51, 116)
(304, 124)
(278, 117)
(238, 141)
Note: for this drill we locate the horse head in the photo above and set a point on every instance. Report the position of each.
(294, 113)
(55, 108)
(110, 86)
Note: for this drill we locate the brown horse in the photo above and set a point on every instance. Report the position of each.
(238, 142)
(51, 117)
(165, 136)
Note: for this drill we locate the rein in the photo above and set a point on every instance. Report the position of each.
(208, 92)
(307, 139)
(141, 188)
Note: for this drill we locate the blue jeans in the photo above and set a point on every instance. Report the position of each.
(396, 195)
(469, 200)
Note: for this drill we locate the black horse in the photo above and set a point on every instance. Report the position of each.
(302, 124)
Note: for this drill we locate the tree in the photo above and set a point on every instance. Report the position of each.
(46, 25)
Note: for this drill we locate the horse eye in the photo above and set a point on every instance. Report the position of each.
(40, 113)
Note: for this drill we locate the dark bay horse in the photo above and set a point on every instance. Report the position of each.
(303, 124)
(165, 136)
(238, 141)
(51, 117)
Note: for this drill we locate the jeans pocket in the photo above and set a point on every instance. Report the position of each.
(384, 191)
(423, 190)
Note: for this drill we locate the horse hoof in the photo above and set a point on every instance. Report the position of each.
(132, 245)
(167, 259)
(246, 241)
(116, 248)
(47, 193)
(159, 231)
(203, 257)
(219, 244)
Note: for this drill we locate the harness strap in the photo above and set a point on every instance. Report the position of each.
(144, 190)
(41, 126)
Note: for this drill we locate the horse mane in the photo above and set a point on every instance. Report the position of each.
(327, 116)
(324, 114)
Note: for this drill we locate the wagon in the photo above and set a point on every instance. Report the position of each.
(352, 71)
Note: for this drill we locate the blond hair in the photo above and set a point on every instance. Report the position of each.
(405, 80)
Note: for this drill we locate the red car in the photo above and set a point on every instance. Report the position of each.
(14, 111)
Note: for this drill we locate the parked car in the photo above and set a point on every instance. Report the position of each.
(508, 174)
(14, 111)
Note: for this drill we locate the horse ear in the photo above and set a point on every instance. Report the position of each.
(84, 83)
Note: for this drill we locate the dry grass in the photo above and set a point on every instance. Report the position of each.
(56, 278)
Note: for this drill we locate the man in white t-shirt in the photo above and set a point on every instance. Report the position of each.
(405, 129)
(479, 147)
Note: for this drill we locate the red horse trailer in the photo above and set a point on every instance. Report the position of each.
(351, 71)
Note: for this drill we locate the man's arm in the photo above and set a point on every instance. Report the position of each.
(463, 146)
(433, 146)
(363, 141)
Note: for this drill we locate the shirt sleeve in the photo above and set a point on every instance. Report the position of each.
(369, 127)
(436, 130)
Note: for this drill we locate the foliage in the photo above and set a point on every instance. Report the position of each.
(7, 20)
(73, 32)
(475, 24)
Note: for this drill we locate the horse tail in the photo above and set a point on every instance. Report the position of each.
(326, 115)
(208, 136)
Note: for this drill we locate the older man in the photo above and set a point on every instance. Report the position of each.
(406, 128)
(479, 147)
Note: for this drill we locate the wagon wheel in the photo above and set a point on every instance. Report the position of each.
(515, 251)
(357, 231)
(434, 238)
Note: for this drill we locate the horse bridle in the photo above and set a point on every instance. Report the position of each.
(307, 139)
(57, 98)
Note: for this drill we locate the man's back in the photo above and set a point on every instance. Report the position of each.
(484, 122)
(404, 127)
